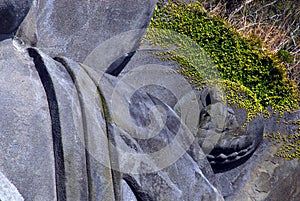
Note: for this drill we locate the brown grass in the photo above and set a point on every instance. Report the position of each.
(276, 23)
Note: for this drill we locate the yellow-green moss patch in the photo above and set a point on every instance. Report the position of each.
(241, 62)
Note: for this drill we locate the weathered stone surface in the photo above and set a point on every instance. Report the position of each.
(188, 176)
(124, 127)
(220, 132)
(231, 144)
(101, 182)
(127, 194)
(9, 19)
(264, 176)
(287, 185)
(142, 175)
(26, 143)
(115, 52)
(182, 180)
(75, 28)
(149, 177)
(73, 168)
(144, 56)
(164, 83)
(8, 191)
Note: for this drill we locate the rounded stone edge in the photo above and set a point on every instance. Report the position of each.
(8, 191)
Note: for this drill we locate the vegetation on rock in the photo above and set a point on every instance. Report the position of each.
(252, 76)
(290, 144)
(275, 22)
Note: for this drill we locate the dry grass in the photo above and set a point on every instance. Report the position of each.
(276, 23)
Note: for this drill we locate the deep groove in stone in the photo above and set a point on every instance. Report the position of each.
(116, 176)
(117, 66)
(218, 167)
(55, 123)
(208, 99)
(87, 156)
(139, 195)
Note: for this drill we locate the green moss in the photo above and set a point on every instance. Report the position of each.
(251, 77)
(290, 144)
(285, 56)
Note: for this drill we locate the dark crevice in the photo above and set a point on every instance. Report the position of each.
(219, 168)
(117, 66)
(87, 156)
(116, 175)
(223, 167)
(55, 123)
(208, 100)
(140, 195)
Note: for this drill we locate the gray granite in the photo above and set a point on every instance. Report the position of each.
(264, 176)
(220, 126)
(74, 167)
(127, 194)
(156, 167)
(26, 143)
(8, 191)
(75, 28)
(123, 125)
(95, 139)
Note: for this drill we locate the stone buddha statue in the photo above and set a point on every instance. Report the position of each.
(71, 129)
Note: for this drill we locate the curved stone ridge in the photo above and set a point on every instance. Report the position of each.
(26, 143)
(8, 191)
(219, 126)
(58, 137)
(223, 159)
(74, 28)
(226, 143)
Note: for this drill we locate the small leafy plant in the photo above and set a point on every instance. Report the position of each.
(290, 144)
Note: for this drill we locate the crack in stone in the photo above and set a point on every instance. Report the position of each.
(55, 123)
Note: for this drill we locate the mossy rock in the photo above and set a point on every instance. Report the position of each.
(251, 77)
(240, 61)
